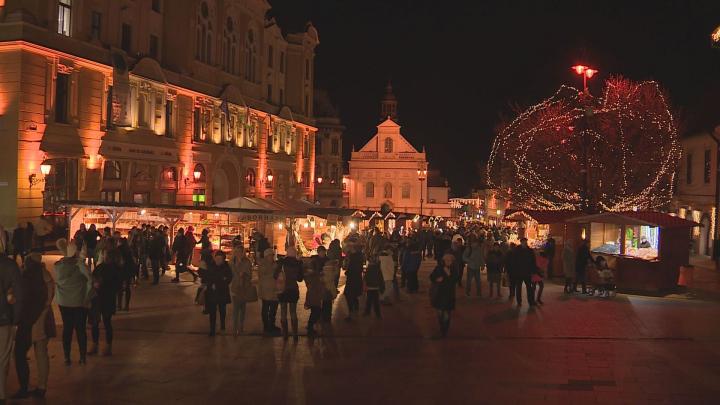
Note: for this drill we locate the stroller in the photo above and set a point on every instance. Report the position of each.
(603, 280)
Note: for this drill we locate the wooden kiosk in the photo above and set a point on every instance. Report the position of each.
(645, 249)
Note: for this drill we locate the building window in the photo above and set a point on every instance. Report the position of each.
(111, 170)
(250, 177)
(406, 191)
(269, 93)
(335, 146)
(370, 190)
(156, 6)
(141, 198)
(154, 46)
(168, 197)
(142, 111)
(250, 56)
(388, 145)
(199, 173)
(197, 127)
(109, 108)
(270, 56)
(64, 17)
(387, 190)
(198, 197)
(688, 169)
(229, 52)
(110, 195)
(282, 62)
(706, 167)
(95, 24)
(62, 92)
(169, 118)
(203, 35)
(126, 37)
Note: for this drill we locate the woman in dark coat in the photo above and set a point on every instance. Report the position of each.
(291, 271)
(582, 260)
(106, 282)
(410, 266)
(443, 279)
(216, 277)
(353, 280)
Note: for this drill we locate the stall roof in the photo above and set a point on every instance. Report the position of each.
(298, 207)
(324, 212)
(541, 217)
(649, 218)
(126, 205)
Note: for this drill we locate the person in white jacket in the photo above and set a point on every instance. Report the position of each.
(387, 267)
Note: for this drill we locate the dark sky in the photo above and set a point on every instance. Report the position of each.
(458, 66)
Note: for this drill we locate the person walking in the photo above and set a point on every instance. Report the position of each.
(474, 257)
(314, 296)
(158, 247)
(353, 280)
(442, 291)
(290, 273)
(38, 291)
(73, 285)
(216, 275)
(127, 274)
(242, 290)
(387, 268)
(330, 275)
(494, 269)
(568, 260)
(11, 303)
(267, 292)
(411, 265)
(525, 267)
(582, 260)
(91, 241)
(457, 249)
(179, 249)
(374, 285)
(107, 283)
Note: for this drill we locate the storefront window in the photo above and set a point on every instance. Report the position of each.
(642, 241)
(199, 197)
(110, 195)
(605, 238)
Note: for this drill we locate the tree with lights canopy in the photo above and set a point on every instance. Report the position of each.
(573, 151)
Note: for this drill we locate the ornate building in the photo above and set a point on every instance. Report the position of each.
(389, 171)
(328, 153)
(183, 102)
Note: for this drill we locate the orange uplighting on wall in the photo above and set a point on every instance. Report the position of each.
(93, 162)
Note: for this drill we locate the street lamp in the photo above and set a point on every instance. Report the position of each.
(422, 175)
(196, 175)
(585, 72)
(319, 180)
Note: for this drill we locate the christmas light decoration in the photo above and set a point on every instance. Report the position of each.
(574, 151)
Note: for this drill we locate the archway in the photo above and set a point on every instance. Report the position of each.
(220, 188)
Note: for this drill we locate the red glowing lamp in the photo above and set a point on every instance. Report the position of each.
(584, 71)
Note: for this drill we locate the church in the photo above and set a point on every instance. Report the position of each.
(389, 171)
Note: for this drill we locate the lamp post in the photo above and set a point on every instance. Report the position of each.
(422, 175)
(586, 73)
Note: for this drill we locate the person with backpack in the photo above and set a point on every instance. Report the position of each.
(288, 275)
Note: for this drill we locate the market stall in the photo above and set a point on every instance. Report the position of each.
(539, 226)
(644, 249)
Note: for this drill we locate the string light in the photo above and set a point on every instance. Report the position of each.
(628, 134)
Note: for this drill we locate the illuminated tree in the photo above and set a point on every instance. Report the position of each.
(574, 151)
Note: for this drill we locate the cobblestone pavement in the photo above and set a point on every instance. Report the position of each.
(628, 349)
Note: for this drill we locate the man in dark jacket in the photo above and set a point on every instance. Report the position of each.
(524, 267)
(158, 247)
(179, 249)
(582, 260)
(10, 308)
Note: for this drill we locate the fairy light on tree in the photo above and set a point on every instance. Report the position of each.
(628, 133)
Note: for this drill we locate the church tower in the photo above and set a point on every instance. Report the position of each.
(388, 105)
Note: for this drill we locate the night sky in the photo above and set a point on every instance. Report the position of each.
(459, 67)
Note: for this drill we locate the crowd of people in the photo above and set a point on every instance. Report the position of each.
(99, 269)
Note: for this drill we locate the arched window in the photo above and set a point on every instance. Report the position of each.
(388, 145)
(370, 190)
(250, 177)
(250, 56)
(170, 174)
(111, 170)
(203, 34)
(387, 190)
(406, 191)
(229, 51)
(198, 173)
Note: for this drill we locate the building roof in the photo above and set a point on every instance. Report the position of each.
(649, 218)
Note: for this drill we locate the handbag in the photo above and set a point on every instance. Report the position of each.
(200, 295)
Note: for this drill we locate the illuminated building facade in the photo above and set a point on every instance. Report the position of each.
(328, 154)
(183, 102)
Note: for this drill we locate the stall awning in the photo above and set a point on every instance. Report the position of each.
(649, 218)
(164, 207)
(289, 207)
(541, 217)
